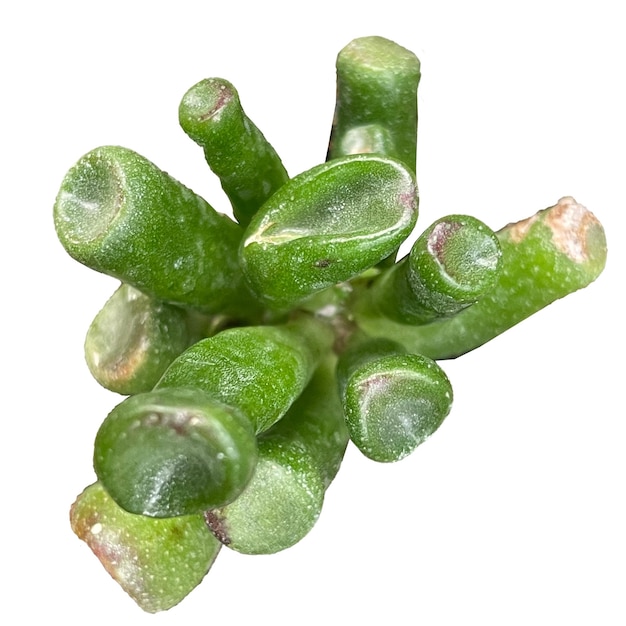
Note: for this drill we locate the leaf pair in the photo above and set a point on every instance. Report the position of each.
(119, 214)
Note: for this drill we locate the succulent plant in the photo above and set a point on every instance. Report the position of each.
(253, 349)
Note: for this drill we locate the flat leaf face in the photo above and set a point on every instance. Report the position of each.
(328, 225)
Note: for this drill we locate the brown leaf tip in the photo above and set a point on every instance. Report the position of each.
(571, 224)
(574, 230)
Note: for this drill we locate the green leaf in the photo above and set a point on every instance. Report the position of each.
(326, 226)
(393, 401)
(133, 339)
(174, 451)
(235, 149)
(156, 561)
(545, 257)
(119, 214)
(376, 105)
(298, 459)
(240, 367)
(451, 265)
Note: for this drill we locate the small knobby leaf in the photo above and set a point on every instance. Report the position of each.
(392, 400)
(133, 339)
(452, 264)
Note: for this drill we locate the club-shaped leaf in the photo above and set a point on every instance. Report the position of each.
(119, 214)
(240, 367)
(174, 451)
(235, 149)
(392, 400)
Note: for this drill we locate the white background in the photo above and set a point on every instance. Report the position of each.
(513, 512)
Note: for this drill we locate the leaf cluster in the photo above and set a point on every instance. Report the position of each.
(253, 350)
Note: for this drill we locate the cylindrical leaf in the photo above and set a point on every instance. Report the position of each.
(235, 149)
(451, 265)
(545, 257)
(279, 507)
(393, 401)
(377, 82)
(174, 452)
(242, 367)
(133, 339)
(119, 214)
(298, 458)
(156, 561)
